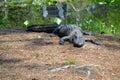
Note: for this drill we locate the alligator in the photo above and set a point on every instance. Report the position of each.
(70, 32)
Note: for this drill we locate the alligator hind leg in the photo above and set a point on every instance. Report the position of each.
(55, 31)
(93, 41)
(62, 40)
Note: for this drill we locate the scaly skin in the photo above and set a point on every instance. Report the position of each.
(72, 33)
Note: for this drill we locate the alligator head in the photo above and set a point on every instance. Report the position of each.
(78, 39)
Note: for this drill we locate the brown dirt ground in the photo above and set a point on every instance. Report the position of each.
(31, 55)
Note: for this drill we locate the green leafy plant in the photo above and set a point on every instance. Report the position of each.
(70, 61)
(22, 13)
(26, 23)
(99, 25)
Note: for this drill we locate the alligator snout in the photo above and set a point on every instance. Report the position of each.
(79, 41)
(78, 45)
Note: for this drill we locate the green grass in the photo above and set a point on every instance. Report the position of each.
(70, 61)
(17, 16)
(98, 25)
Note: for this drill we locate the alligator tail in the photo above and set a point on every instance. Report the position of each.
(49, 28)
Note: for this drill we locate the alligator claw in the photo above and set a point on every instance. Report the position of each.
(61, 42)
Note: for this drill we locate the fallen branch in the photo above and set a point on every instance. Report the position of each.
(60, 68)
(70, 66)
(79, 68)
(86, 66)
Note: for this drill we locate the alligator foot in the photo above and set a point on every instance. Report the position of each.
(61, 42)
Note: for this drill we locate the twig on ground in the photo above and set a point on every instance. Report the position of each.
(70, 66)
(86, 66)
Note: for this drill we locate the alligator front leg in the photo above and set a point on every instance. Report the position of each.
(93, 41)
(62, 40)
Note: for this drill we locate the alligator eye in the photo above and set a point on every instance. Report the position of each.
(75, 37)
